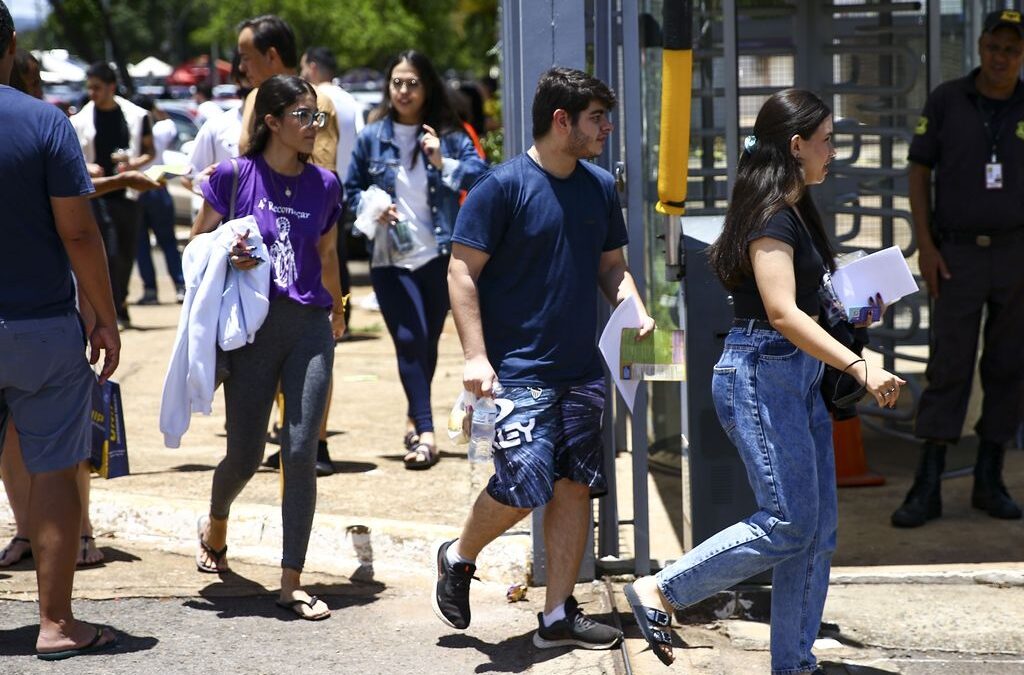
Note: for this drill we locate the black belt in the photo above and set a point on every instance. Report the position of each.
(752, 324)
(981, 239)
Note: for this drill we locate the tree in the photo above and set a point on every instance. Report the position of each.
(137, 28)
(455, 33)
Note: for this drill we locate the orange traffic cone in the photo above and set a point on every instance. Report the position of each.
(851, 466)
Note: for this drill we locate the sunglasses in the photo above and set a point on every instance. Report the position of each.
(411, 84)
(309, 118)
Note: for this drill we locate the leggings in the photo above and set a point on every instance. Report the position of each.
(294, 346)
(414, 305)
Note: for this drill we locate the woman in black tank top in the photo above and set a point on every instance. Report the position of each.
(772, 255)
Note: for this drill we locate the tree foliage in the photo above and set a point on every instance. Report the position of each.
(454, 33)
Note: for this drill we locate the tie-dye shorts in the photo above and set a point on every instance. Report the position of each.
(545, 434)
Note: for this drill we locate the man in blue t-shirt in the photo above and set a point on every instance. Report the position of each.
(45, 380)
(536, 239)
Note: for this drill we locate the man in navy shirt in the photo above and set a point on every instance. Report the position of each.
(535, 240)
(971, 136)
(45, 379)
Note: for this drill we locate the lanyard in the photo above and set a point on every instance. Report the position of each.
(993, 127)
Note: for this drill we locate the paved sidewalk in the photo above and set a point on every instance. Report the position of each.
(172, 619)
(944, 617)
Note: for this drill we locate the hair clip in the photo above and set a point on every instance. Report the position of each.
(750, 144)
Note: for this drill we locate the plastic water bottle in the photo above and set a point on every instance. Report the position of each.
(481, 434)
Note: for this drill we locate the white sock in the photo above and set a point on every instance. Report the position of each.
(453, 557)
(557, 614)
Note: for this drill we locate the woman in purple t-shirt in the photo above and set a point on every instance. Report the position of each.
(296, 206)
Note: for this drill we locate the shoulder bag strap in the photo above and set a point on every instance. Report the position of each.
(234, 188)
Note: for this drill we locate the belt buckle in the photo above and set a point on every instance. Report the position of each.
(983, 240)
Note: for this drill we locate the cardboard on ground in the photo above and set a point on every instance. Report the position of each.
(161, 172)
(883, 272)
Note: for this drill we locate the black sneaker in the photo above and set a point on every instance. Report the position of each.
(273, 461)
(148, 297)
(324, 465)
(451, 592)
(575, 630)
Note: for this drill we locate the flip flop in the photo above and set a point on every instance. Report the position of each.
(216, 555)
(92, 646)
(426, 457)
(296, 607)
(653, 625)
(410, 440)
(86, 538)
(26, 553)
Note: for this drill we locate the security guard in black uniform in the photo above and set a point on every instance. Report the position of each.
(971, 255)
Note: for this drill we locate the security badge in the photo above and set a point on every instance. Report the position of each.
(994, 174)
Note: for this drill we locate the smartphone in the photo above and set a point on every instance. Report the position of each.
(870, 314)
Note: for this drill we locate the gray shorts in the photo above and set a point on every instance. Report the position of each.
(46, 390)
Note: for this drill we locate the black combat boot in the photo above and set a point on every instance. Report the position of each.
(924, 501)
(989, 493)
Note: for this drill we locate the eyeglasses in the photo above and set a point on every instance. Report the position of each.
(411, 84)
(309, 118)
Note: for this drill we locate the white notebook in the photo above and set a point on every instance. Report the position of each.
(883, 272)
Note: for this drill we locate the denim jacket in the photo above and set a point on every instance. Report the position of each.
(375, 161)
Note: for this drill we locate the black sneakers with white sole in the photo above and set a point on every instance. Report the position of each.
(450, 598)
(575, 630)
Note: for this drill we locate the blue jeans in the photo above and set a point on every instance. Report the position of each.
(158, 215)
(414, 306)
(767, 398)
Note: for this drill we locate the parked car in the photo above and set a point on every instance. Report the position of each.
(175, 154)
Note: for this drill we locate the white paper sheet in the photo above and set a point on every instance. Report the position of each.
(626, 315)
(884, 272)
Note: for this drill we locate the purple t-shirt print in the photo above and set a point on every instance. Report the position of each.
(291, 226)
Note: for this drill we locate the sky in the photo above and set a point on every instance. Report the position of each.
(26, 13)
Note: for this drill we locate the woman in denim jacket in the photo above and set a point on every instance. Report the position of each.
(418, 155)
(772, 256)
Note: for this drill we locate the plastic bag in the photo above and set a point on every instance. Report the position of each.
(461, 418)
(373, 203)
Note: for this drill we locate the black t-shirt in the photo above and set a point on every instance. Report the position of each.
(951, 139)
(112, 134)
(808, 267)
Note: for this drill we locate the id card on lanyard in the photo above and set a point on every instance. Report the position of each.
(993, 128)
(994, 173)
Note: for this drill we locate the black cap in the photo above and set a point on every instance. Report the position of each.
(1003, 18)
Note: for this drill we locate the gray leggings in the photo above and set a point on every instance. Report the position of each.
(294, 347)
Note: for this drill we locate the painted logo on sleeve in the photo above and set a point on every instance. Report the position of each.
(1019, 133)
(922, 126)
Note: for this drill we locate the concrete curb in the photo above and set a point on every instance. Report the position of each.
(993, 574)
(399, 547)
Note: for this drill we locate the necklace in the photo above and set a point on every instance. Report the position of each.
(288, 192)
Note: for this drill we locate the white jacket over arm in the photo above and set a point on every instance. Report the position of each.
(223, 306)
